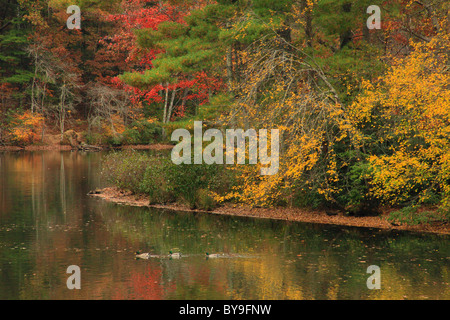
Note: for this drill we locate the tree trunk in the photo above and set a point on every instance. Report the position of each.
(169, 114)
(230, 67)
(62, 110)
(166, 103)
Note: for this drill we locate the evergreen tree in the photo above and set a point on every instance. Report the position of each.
(15, 69)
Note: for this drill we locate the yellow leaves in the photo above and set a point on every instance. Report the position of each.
(115, 125)
(277, 94)
(152, 120)
(26, 127)
(405, 115)
(412, 102)
(395, 177)
(304, 122)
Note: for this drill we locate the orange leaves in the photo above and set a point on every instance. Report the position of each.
(114, 126)
(26, 127)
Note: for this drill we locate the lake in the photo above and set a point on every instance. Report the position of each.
(48, 223)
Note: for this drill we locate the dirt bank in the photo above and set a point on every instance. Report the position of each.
(156, 146)
(291, 214)
(68, 147)
(35, 148)
(74, 139)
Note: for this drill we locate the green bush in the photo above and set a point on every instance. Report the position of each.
(165, 182)
(412, 216)
(170, 127)
(142, 132)
(187, 179)
(126, 169)
(155, 182)
(204, 200)
(115, 140)
(94, 138)
(302, 198)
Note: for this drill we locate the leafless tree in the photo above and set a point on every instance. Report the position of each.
(104, 102)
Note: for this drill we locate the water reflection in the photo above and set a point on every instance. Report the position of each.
(47, 222)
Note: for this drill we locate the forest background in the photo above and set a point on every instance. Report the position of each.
(364, 114)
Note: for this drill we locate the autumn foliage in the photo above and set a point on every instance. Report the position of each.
(408, 112)
(363, 114)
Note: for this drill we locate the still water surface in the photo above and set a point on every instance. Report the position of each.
(47, 223)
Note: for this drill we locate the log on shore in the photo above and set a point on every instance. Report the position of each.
(87, 147)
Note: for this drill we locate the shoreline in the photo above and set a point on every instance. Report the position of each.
(118, 196)
(57, 147)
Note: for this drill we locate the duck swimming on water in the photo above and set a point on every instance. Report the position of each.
(146, 255)
(142, 255)
(174, 255)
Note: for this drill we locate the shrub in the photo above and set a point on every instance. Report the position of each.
(165, 182)
(126, 169)
(114, 140)
(25, 127)
(142, 132)
(412, 216)
(205, 201)
(187, 179)
(170, 127)
(93, 138)
(155, 182)
(302, 198)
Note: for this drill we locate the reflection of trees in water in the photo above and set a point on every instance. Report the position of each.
(41, 206)
(292, 260)
(295, 260)
(62, 187)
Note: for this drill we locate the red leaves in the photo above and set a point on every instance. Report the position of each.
(139, 14)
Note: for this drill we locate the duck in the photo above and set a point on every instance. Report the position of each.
(174, 255)
(214, 255)
(142, 255)
(146, 255)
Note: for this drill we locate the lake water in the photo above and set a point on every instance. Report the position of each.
(47, 223)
